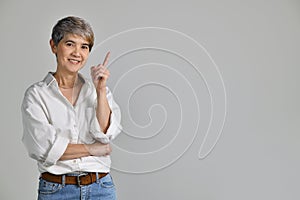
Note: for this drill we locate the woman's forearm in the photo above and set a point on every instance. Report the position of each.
(103, 111)
(74, 151)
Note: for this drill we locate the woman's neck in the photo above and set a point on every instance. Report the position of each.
(66, 81)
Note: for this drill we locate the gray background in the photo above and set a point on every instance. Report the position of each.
(256, 47)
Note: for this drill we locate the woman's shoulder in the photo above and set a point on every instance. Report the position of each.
(39, 86)
(33, 91)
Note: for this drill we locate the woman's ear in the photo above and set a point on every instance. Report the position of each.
(53, 46)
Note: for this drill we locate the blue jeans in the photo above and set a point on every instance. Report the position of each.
(103, 189)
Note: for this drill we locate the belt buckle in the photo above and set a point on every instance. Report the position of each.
(78, 178)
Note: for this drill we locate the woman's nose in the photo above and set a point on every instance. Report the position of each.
(76, 51)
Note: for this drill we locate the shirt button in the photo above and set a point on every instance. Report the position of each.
(74, 161)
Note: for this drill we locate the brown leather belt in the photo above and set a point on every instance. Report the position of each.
(85, 178)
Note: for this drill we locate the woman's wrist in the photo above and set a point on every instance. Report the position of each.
(101, 92)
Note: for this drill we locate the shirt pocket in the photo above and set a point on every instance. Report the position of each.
(90, 115)
(89, 120)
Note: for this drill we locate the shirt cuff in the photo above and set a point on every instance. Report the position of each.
(115, 127)
(96, 131)
(113, 130)
(58, 148)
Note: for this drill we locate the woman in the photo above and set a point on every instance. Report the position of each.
(69, 121)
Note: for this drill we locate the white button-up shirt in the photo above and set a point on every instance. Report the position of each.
(51, 122)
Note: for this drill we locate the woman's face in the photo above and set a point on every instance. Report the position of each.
(72, 53)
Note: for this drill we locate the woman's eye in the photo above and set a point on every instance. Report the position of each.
(69, 44)
(85, 47)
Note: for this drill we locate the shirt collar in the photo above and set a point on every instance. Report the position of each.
(49, 78)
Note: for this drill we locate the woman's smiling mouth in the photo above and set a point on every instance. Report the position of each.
(74, 61)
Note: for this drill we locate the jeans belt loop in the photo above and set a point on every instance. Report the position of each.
(63, 180)
(78, 179)
(97, 177)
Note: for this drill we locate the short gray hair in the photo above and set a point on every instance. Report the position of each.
(73, 25)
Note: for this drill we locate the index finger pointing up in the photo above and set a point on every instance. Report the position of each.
(106, 59)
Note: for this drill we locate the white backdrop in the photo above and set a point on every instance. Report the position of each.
(178, 69)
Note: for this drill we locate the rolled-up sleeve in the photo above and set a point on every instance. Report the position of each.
(114, 128)
(43, 142)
